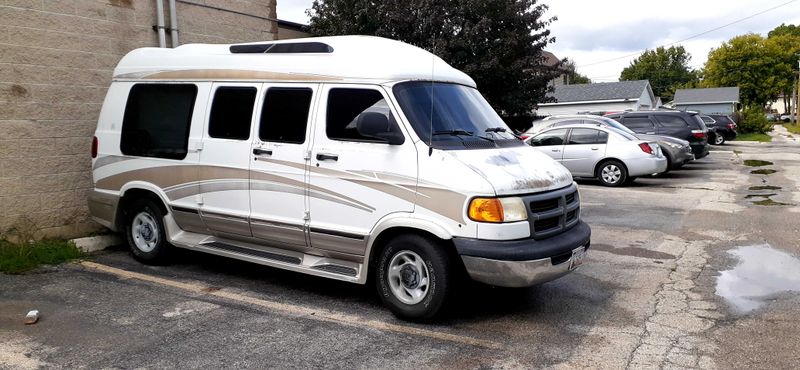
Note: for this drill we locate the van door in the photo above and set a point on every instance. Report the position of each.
(279, 165)
(356, 180)
(224, 176)
(585, 147)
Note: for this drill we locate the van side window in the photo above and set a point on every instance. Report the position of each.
(345, 107)
(231, 113)
(284, 116)
(157, 120)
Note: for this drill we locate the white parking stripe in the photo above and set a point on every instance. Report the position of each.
(294, 310)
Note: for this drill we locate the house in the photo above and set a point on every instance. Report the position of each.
(551, 60)
(723, 100)
(603, 97)
(292, 30)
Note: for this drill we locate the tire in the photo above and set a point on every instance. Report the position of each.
(719, 139)
(414, 264)
(612, 173)
(145, 233)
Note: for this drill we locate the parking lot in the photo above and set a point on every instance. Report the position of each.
(645, 298)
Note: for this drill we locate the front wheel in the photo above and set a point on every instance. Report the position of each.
(145, 233)
(414, 277)
(612, 173)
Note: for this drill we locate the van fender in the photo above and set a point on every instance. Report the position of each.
(405, 220)
(142, 185)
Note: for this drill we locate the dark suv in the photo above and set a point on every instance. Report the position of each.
(720, 128)
(682, 125)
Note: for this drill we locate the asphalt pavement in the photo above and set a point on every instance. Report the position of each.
(647, 296)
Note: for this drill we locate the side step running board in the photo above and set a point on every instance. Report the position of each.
(254, 252)
(337, 269)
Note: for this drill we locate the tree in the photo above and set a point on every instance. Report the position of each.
(749, 62)
(497, 42)
(573, 77)
(784, 41)
(665, 68)
(784, 29)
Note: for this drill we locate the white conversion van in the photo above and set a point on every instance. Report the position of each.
(342, 157)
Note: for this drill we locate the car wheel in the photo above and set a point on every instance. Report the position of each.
(612, 173)
(145, 233)
(414, 277)
(719, 139)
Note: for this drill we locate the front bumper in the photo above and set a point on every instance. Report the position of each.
(525, 262)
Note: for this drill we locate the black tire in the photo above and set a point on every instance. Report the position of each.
(719, 139)
(145, 233)
(440, 280)
(621, 178)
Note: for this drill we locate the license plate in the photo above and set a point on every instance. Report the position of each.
(577, 258)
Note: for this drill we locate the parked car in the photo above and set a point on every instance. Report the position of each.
(771, 117)
(677, 151)
(684, 125)
(612, 156)
(330, 157)
(720, 128)
(786, 117)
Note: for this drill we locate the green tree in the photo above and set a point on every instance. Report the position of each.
(497, 42)
(749, 62)
(784, 29)
(573, 77)
(784, 41)
(665, 68)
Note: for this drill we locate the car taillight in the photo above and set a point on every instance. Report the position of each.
(699, 134)
(732, 126)
(646, 148)
(523, 137)
(94, 147)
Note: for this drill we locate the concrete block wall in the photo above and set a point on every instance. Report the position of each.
(56, 63)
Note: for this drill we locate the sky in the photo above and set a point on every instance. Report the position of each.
(592, 32)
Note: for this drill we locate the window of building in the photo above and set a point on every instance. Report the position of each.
(284, 117)
(345, 106)
(157, 120)
(231, 113)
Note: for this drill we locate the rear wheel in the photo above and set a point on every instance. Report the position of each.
(414, 277)
(145, 232)
(719, 139)
(612, 173)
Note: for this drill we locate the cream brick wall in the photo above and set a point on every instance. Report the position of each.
(56, 60)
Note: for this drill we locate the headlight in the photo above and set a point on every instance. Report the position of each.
(497, 210)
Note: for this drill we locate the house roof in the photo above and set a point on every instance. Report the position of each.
(550, 59)
(711, 95)
(600, 91)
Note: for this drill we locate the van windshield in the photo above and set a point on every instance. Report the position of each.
(451, 116)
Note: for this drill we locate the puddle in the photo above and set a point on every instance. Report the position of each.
(633, 252)
(770, 202)
(758, 195)
(762, 273)
(756, 163)
(765, 171)
(764, 187)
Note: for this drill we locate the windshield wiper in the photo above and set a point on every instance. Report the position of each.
(495, 129)
(453, 133)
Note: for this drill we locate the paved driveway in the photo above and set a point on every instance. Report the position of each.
(645, 298)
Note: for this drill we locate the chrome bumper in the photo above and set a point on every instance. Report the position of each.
(515, 273)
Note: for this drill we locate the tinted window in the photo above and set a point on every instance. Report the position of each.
(602, 137)
(707, 119)
(671, 121)
(637, 123)
(580, 136)
(231, 113)
(284, 117)
(157, 120)
(344, 108)
(554, 137)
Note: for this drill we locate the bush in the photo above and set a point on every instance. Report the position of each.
(754, 121)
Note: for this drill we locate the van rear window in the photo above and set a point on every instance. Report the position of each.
(157, 120)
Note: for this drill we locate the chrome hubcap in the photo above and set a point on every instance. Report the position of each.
(408, 277)
(144, 232)
(611, 174)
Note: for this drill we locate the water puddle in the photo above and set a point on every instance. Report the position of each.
(770, 202)
(756, 163)
(765, 171)
(764, 187)
(759, 195)
(762, 273)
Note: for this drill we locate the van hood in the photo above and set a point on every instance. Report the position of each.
(517, 170)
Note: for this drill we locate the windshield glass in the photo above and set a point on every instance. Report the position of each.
(448, 115)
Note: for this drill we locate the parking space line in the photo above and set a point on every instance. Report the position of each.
(295, 310)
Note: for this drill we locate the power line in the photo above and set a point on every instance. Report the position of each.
(693, 36)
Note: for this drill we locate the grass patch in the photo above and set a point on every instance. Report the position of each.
(17, 258)
(764, 138)
(792, 127)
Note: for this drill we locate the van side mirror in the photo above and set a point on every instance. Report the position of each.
(377, 125)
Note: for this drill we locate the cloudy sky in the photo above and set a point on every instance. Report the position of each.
(593, 32)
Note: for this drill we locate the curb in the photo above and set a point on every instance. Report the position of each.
(91, 244)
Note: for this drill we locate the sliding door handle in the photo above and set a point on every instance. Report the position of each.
(324, 156)
(257, 151)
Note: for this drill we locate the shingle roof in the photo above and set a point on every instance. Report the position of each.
(550, 59)
(600, 91)
(712, 95)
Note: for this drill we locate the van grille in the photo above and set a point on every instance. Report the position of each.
(553, 212)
